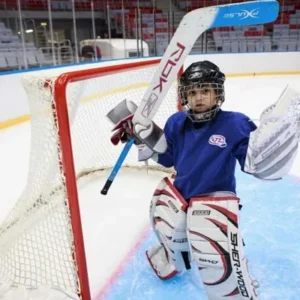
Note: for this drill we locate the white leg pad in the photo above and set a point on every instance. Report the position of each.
(217, 248)
(168, 219)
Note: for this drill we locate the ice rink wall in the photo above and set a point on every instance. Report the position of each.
(13, 103)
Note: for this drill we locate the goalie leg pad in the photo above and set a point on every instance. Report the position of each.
(217, 247)
(168, 219)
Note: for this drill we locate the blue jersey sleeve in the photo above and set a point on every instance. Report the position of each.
(166, 159)
(243, 129)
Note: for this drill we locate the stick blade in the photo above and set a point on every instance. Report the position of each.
(246, 13)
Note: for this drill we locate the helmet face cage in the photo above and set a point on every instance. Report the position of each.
(201, 101)
(198, 82)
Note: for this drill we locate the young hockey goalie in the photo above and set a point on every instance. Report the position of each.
(195, 217)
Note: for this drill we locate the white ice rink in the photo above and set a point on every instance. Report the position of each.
(113, 224)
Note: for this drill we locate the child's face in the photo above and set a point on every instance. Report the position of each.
(202, 97)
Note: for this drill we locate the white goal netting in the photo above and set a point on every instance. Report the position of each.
(37, 241)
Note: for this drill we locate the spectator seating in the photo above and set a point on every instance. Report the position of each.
(241, 39)
(282, 35)
(79, 4)
(188, 5)
(12, 53)
(153, 26)
(16, 60)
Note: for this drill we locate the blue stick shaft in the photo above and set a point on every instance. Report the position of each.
(117, 166)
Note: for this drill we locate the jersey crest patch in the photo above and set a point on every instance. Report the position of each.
(217, 140)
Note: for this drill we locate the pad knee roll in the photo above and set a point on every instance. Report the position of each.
(217, 248)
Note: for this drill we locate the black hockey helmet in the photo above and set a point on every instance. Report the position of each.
(198, 73)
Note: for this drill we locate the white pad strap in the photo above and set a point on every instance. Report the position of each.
(217, 248)
(273, 145)
(168, 218)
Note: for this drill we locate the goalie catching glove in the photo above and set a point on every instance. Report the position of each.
(274, 144)
(153, 140)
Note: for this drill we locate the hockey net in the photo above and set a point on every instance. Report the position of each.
(41, 242)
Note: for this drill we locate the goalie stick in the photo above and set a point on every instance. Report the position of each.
(192, 25)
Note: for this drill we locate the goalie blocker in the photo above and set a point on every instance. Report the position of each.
(121, 116)
(206, 232)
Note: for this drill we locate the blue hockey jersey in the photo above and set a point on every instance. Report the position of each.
(205, 158)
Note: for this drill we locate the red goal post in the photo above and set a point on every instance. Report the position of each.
(60, 97)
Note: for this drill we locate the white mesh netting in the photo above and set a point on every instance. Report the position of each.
(36, 239)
